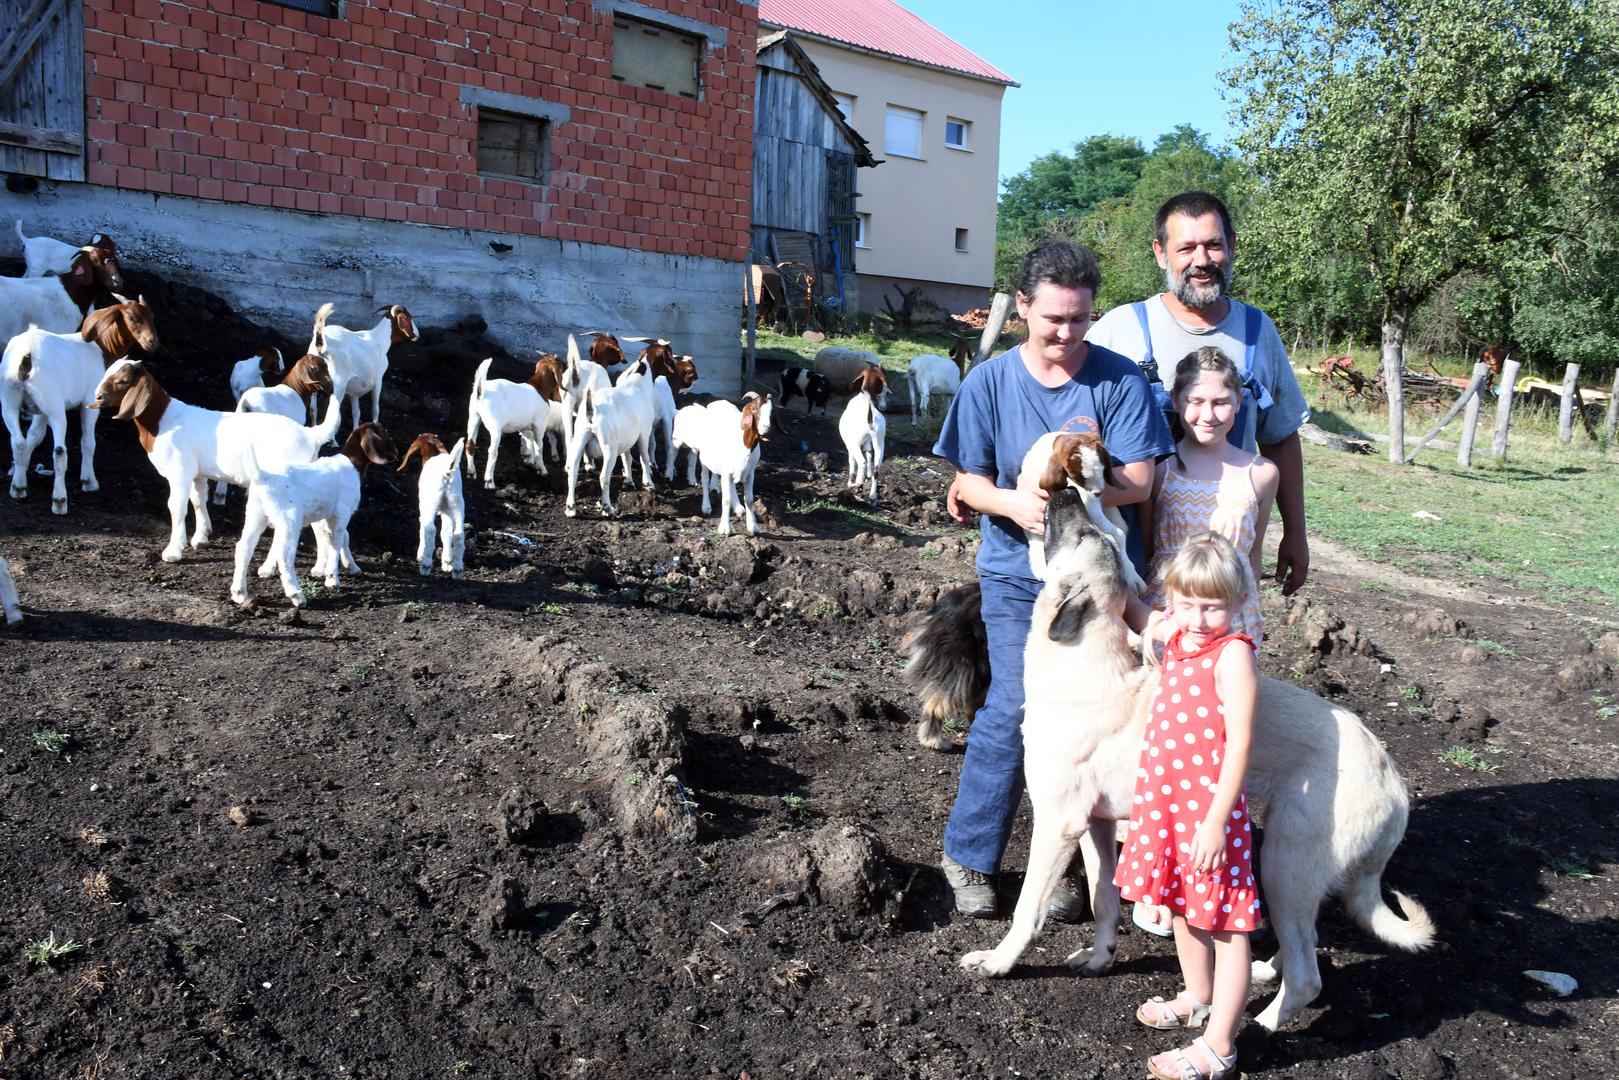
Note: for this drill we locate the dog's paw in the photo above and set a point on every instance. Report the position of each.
(1091, 961)
(987, 963)
(1263, 972)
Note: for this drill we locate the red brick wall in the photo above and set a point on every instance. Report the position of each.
(361, 115)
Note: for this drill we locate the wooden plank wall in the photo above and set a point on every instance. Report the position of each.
(42, 105)
(791, 138)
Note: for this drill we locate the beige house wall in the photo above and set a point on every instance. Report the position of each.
(917, 204)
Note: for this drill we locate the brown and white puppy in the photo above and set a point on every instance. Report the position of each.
(1078, 461)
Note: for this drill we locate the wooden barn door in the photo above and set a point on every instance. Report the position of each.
(42, 88)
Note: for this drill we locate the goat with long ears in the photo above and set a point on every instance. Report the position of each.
(440, 502)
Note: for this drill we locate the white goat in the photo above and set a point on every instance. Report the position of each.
(322, 494)
(359, 358)
(9, 601)
(292, 395)
(441, 502)
(505, 407)
(930, 374)
(260, 370)
(57, 304)
(189, 445)
(46, 255)
(864, 430)
(578, 377)
(728, 441)
(54, 373)
(620, 419)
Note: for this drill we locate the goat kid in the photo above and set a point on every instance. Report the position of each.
(190, 445)
(441, 503)
(359, 358)
(322, 494)
(729, 442)
(930, 374)
(811, 385)
(9, 600)
(54, 373)
(620, 419)
(1080, 462)
(46, 255)
(864, 430)
(57, 304)
(292, 395)
(263, 369)
(505, 407)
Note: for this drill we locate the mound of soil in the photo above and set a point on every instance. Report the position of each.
(634, 799)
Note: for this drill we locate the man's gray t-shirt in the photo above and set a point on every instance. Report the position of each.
(1120, 330)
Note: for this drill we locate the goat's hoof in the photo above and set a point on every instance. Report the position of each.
(89, 485)
(1263, 972)
(457, 575)
(985, 963)
(568, 511)
(58, 506)
(171, 555)
(425, 569)
(242, 598)
(267, 570)
(489, 485)
(19, 493)
(299, 600)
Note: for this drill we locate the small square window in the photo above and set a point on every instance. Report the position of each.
(513, 146)
(845, 104)
(955, 133)
(862, 230)
(961, 239)
(659, 57)
(902, 132)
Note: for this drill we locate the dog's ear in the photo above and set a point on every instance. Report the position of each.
(1070, 616)
(1053, 477)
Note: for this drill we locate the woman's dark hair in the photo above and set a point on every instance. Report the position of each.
(1061, 262)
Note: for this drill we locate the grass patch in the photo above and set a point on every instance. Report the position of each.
(810, 506)
(1570, 865)
(1469, 759)
(1542, 519)
(52, 742)
(47, 950)
(796, 805)
(553, 609)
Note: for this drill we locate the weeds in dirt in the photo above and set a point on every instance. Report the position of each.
(1410, 693)
(635, 779)
(1469, 759)
(1571, 865)
(1605, 708)
(93, 836)
(822, 610)
(360, 671)
(952, 725)
(414, 607)
(796, 805)
(828, 673)
(312, 588)
(47, 950)
(52, 742)
(932, 552)
(731, 687)
(553, 609)
(1493, 647)
(460, 1067)
(100, 887)
(98, 978)
(810, 506)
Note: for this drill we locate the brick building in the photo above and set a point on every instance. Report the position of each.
(551, 165)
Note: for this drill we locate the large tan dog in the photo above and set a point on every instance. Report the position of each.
(1335, 807)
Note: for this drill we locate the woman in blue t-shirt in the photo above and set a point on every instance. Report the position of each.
(1054, 381)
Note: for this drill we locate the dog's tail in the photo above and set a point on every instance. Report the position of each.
(1413, 933)
(948, 663)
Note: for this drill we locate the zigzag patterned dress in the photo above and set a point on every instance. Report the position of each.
(1186, 507)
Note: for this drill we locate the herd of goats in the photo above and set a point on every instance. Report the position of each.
(69, 332)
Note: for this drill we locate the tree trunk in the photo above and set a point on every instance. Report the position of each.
(999, 309)
(1395, 320)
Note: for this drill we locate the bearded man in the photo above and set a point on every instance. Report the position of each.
(1194, 243)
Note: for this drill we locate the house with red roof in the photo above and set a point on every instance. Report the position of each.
(931, 110)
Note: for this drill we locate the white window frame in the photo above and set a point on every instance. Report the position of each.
(898, 148)
(862, 230)
(963, 242)
(966, 133)
(845, 104)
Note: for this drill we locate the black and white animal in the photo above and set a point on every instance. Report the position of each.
(812, 386)
(1335, 806)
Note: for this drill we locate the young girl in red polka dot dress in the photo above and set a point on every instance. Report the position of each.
(1191, 847)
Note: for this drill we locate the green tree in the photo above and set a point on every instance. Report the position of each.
(1067, 185)
(1425, 137)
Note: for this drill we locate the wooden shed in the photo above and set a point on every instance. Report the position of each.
(805, 157)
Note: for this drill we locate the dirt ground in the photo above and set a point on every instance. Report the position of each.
(633, 800)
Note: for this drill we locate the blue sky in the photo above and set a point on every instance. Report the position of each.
(1131, 67)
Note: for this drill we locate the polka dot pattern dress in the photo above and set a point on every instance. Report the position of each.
(1180, 769)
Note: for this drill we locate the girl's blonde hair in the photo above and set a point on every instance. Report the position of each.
(1207, 358)
(1208, 567)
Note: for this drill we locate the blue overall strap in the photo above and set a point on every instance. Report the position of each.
(1255, 396)
(1148, 365)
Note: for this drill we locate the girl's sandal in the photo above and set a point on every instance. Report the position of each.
(1158, 1014)
(1219, 1067)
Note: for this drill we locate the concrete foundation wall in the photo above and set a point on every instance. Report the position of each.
(278, 266)
(953, 298)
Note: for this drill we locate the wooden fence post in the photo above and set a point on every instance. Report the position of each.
(1464, 452)
(1612, 421)
(998, 311)
(1503, 409)
(1571, 401)
(1475, 387)
(753, 316)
